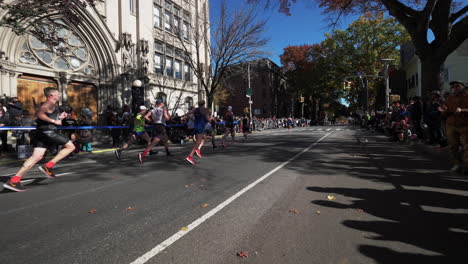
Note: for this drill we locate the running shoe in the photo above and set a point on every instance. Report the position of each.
(118, 153)
(47, 171)
(198, 152)
(140, 157)
(17, 187)
(190, 160)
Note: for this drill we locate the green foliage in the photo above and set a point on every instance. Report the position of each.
(319, 70)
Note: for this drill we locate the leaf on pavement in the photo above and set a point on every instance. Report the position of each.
(243, 254)
(92, 211)
(317, 212)
(331, 197)
(204, 205)
(184, 228)
(294, 211)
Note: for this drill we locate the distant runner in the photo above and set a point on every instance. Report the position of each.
(138, 132)
(158, 117)
(202, 115)
(230, 127)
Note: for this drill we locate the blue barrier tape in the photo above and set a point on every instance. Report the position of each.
(89, 127)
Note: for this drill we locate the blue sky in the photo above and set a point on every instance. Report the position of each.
(306, 25)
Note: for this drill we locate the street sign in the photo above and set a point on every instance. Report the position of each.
(249, 92)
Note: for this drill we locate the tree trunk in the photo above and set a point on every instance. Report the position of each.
(431, 74)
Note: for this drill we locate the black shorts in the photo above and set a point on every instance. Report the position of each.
(160, 132)
(48, 138)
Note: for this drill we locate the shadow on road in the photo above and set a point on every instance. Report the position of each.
(426, 208)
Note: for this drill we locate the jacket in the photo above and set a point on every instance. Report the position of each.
(456, 119)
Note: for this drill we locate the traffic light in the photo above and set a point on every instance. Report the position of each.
(347, 85)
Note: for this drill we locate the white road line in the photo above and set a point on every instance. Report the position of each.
(338, 129)
(166, 243)
(328, 129)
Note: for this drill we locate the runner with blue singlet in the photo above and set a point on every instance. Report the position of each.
(202, 115)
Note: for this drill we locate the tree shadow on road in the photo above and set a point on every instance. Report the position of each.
(425, 206)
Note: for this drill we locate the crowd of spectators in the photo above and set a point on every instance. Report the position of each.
(441, 120)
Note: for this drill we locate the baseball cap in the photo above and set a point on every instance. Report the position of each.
(229, 108)
(457, 81)
(143, 107)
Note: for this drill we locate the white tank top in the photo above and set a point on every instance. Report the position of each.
(158, 116)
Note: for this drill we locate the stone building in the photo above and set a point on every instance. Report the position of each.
(116, 43)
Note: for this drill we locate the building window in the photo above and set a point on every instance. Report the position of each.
(177, 70)
(158, 47)
(187, 72)
(157, 16)
(176, 25)
(169, 70)
(158, 63)
(132, 6)
(185, 30)
(188, 102)
(167, 21)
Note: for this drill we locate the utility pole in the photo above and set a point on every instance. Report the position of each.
(387, 84)
(249, 92)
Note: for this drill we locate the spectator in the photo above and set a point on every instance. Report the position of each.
(434, 121)
(86, 136)
(87, 113)
(3, 133)
(15, 109)
(457, 126)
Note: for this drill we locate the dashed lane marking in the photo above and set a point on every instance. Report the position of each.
(166, 243)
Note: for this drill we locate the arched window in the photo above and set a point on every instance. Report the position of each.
(69, 54)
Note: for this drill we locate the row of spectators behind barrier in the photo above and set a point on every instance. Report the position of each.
(423, 121)
(120, 122)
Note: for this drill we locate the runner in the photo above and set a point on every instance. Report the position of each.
(230, 127)
(202, 115)
(48, 118)
(210, 129)
(245, 125)
(158, 117)
(138, 132)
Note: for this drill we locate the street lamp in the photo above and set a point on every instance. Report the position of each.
(387, 84)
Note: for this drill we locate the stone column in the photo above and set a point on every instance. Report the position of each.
(13, 83)
(63, 85)
(4, 85)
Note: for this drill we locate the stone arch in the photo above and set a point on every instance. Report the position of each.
(101, 45)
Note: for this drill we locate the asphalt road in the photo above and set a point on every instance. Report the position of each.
(311, 195)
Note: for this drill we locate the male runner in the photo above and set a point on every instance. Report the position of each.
(229, 119)
(202, 115)
(158, 117)
(138, 132)
(48, 118)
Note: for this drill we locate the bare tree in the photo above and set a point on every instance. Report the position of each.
(235, 38)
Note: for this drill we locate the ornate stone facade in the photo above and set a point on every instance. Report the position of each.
(114, 44)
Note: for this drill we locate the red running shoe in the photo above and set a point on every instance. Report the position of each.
(190, 160)
(197, 151)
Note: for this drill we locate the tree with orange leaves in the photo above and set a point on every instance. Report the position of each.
(446, 19)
